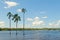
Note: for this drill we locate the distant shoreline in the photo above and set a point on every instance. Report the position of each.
(8, 29)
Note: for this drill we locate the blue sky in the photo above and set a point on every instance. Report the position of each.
(40, 13)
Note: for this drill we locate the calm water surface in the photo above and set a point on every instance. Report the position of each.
(31, 35)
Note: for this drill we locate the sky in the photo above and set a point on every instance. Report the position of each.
(40, 13)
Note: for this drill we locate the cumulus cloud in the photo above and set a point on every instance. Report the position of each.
(2, 23)
(58, 22)
(19, 10)
(37, 21)
(45, 17)
(29, 19)
(50, 24)
(36, 18)
(55, 24)
(10, 4)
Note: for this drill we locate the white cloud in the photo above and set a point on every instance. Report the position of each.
(36, 18)
(37, 22)
(2, 23)
(29, 19)
(50, 24)
(55, 24)
(10, 4)
(19, 10)
(45, 17)
(58, 22)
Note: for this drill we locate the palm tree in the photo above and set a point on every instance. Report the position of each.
(23, 10)
(16, 18)
(9, 17)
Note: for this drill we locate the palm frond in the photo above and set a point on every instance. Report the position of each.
(9, 15)
(23, 10)
(16, 18)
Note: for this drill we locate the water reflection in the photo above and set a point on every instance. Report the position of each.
(30, 35)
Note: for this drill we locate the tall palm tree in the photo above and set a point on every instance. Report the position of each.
(16, 18)
(23, 10)
(9, 17)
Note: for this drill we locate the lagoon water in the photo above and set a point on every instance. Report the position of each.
(31, 35)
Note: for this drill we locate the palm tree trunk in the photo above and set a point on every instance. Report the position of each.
(16, 28)
(23, 23)
(10, 26)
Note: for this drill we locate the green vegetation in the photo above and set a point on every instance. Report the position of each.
(13, 29)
